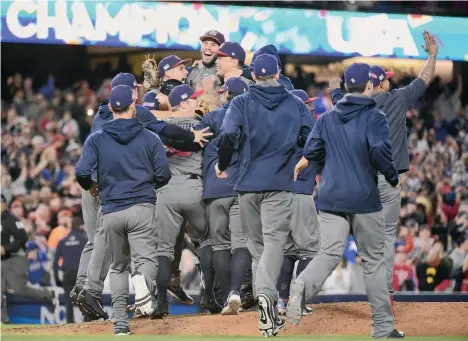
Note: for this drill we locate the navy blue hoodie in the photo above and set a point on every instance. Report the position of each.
(131, 162)
(269, 123)
(214, 187)
(305, 182)
(352, 141)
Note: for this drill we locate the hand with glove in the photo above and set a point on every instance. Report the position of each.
(150, 72)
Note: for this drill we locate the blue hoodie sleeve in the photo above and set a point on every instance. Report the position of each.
(205, 122)
(314, 149)
(336, 95)
(379, 146)
(161, 170)
(87, 162)
(230, 132)
(307, 123)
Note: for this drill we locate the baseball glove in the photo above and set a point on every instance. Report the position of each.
(207, 102)
(150, 72)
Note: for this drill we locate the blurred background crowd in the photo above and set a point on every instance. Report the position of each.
(44, 126)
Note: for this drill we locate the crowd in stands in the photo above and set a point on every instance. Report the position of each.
(43, 129)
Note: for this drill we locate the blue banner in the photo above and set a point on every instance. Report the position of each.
(179, 26)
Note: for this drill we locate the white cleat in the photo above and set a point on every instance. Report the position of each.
(233, 304)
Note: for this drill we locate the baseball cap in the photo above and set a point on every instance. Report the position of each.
(170, 62)
(127, 79)
(303, 95)
(233, 50)
(381, 74)
(235, 85)
(121, 97)
(265, 65)
(213, 35)
(358, 74)
(182, 93)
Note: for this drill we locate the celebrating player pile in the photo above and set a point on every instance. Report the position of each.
(233, 166)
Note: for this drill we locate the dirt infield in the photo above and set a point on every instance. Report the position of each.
(416, 319)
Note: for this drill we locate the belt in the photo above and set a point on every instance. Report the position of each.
(192, 176)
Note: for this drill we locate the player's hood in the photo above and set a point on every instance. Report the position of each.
(122, 130)
(104, 111)
(353, 105)
(269, 96)
(380, 99)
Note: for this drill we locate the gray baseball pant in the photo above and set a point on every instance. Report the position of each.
(304, 238)
(95, 260)
(391, 202)
(265, 218)
(131, 233)
(225, 225)
(369, 233)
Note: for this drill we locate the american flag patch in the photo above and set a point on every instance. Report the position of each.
(148, 104)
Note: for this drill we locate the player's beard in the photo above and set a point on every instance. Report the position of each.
(210, 64)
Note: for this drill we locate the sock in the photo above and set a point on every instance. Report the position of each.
(240, 263)
(222, 266)
(286, 274)
(178, 253)
(303, 262)
(206, 263)
(163, 277)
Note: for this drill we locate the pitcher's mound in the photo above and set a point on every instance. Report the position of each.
(435, 319)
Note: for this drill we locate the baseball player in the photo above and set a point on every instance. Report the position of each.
(206, 70)
(180, 203)
(273, 51)
(268, 122)
(94, 262)
(395, 104)
(303, 240)
(230, 62)
(231, 257)
(171, 70)
(131, 162)
(351, 140)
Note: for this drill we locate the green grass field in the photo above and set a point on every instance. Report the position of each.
(6, 336)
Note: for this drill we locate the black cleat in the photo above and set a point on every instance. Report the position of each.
(209, 303)
(91, 305)
(247, 297)
(122, 331)
(176, 291)
(396, 334)
(161, 310)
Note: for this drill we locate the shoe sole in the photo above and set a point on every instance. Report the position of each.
(188, 301)
(295, 304)
(123, 334)
(90, 310)
(266, 315)
(234, 303)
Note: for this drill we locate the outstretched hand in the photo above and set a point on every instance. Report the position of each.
(200, 135)
(431, 46)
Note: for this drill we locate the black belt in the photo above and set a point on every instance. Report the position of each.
(192, 176)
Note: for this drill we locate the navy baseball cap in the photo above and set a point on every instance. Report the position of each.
(235, 85)
(380, 74)
(125, 79)
(182, 93)
(265, 65)
(233, 50)
(358, 74)
(213, 35)
(303, 95)
(121, 96)
(171, 62)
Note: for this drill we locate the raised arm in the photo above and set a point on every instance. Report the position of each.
(431, 48)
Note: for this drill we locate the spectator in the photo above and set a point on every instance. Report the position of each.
(403, 273)
(339, 281)
(435, 270)
(459, 256)
(62, 230)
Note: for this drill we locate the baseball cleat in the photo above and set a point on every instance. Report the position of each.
(296, 302)
(233, 304)
(209, 303)
(122, 331)
(91, 305)
(307, 310)
(143, 299)
(282, 304)
(175, 290)
(396, 334)
(269, 324)
(247, 297)
(161, 310)
(136, 313)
